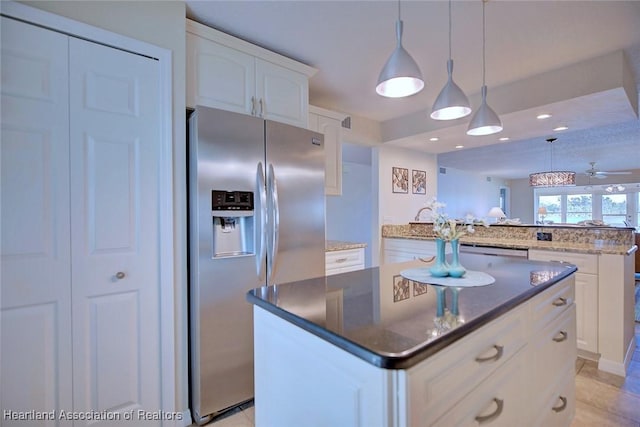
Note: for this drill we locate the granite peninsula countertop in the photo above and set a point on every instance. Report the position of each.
(391, 322)
(339, 245)
(565, 238)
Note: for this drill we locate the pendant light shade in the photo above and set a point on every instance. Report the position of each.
(401, 75)
(485, 121)
(552, 178)
(451, 103)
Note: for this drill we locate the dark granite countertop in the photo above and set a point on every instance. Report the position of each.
(391, 322)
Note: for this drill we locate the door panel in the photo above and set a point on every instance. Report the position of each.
(35, 275)
(284, 94)
(219, 77)
(114, 133)
(298, 165)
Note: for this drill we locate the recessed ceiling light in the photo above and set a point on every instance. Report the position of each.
(543, 116)
(434, 139)
(504, 138)
(559, 128)
(459, 146)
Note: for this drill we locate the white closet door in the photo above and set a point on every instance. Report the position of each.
(36, 277)
(115, 129)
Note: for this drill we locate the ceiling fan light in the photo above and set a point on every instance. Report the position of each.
(401, 75)
(485, 121)
(451, 103)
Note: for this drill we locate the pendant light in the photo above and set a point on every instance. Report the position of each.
(452, 103)
(552, 178)
(485, 121)
(401, 75)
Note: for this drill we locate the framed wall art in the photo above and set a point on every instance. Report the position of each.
(400, 180)
(419, 288)
(419, 181)
(401, 288)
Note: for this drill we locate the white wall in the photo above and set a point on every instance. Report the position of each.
(467, 193)
(400, 208)
(161, 23)
(522, 200)
(351, 215)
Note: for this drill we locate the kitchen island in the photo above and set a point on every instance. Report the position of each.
(368, 348)
(604, 281)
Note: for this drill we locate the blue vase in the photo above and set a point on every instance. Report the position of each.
(440, 268)
(455, 268)
(441, 303)
(454, 301)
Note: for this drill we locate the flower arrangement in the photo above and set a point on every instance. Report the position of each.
(448, 229)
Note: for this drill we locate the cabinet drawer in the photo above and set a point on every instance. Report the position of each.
(345, 258)
(498, 401)
(552, 302)
(559, 408)
(586, 263)
(436, 384)
(555, 351)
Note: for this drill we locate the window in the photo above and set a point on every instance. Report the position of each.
(614, 209)
(617, 205)
(579, 208)
(553, 203)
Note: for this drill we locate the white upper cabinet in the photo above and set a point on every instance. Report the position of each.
(329, 123)
(228, 73)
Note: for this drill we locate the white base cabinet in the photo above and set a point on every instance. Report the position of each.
(604, 304)
(228, 73)
(400, 250)
(344, 261)
(303, 380)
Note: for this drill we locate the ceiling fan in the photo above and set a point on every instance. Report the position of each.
(592, 172)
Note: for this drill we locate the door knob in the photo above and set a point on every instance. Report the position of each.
(120, 275)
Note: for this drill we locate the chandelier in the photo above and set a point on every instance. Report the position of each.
(552, 178)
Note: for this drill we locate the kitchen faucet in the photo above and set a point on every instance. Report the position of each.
(417, 218)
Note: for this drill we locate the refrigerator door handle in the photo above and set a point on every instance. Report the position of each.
(261, 230)
(272, 188)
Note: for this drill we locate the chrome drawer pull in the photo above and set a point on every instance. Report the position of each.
(497, 356)
(481, 419)
(427, 260)
(562, 406)
(340, 260)
(560, 302)
(562, 337)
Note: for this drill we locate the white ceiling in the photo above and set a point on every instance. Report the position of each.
(349, 41)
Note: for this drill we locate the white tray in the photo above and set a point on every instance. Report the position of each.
(470, 279)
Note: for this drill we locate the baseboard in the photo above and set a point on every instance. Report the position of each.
(185, 421)
(618, 368)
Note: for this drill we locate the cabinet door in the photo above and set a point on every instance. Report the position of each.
(331, 129)
(282, 94)
(587, 311)
(114, 133)
(219, 77)
(35, 274)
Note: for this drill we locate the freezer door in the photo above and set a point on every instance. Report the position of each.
(296, 200)
(225, 153)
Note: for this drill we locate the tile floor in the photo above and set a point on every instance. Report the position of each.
(602, 400)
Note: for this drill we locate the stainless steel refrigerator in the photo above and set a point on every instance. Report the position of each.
(256, 218)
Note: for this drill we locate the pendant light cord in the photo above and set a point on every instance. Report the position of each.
(399, 10)
(449, 29)
(484, 71)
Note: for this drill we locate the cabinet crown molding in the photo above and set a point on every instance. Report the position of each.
(246, 47)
